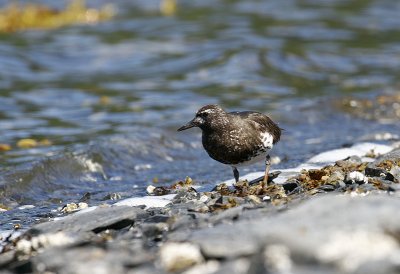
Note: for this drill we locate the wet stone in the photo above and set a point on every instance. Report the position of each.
(93, 221)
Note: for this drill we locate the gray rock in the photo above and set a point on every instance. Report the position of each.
(238, 266)
(101, 218)
(337, 231)
(88, 259)
(216, 244)
(226, 215)
(375, 169)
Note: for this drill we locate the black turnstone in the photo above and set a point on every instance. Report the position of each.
(236, 138)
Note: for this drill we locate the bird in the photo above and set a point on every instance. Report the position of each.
(237, 138)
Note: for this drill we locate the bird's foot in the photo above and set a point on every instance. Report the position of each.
(271, 177)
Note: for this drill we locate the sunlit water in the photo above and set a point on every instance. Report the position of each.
(111, 96)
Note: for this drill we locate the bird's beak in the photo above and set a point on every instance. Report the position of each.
(192, 123)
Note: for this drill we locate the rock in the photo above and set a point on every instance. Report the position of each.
(27, 246)
(183, 196)
(73, 207)
(97, 220)
(316, 174)
(86, 259)
(7, 258)
(385, 167)
(150, 189)
(158, 218)
(207, 268)
(226, 215)
(327, 187)
(382, 184)
(335, 177)
(277, 258)
(153, 232)
(179, 256)
(356, 177)
(290, 186)
(253, 199)
(216, 244)
(313, 228)
(180, 221)
(238, 266)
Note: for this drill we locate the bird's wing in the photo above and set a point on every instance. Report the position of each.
(261, 122)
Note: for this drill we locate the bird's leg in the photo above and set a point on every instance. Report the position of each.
(235, 174)
(267, 165)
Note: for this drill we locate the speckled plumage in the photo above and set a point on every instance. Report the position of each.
(235, 138)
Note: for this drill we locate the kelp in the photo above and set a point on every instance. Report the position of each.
(16, 17)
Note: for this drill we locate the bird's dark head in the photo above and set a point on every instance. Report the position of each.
(207, 117)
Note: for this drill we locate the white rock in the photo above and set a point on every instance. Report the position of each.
(266, 198)
(357, 177)
(180, 256)
(204, 198)
(25, 246)
(150, 189)
(206, 268)
(277, 258)
(350, 250)
(148, 201)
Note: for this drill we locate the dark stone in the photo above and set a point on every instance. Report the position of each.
(289, 187)
(327, 187)
(178, 222)
(157, 219)
(372, 171)
(227, 215)
(377, 168)
(86, 197)
(102, 218)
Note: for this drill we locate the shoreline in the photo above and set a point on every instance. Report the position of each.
(195, 230)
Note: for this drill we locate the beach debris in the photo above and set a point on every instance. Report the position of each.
(173, 188)
(73, 207)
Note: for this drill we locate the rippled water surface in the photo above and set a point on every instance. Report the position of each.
(110, 96)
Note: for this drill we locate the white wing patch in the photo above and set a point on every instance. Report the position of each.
(208, 111)
(267, 140)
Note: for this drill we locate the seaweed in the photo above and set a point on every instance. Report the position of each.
(16, 17)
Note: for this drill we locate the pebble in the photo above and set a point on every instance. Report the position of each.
(356, 177)
(179, 256)
(73, 207)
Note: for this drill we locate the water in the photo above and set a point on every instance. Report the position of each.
(111, 96)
